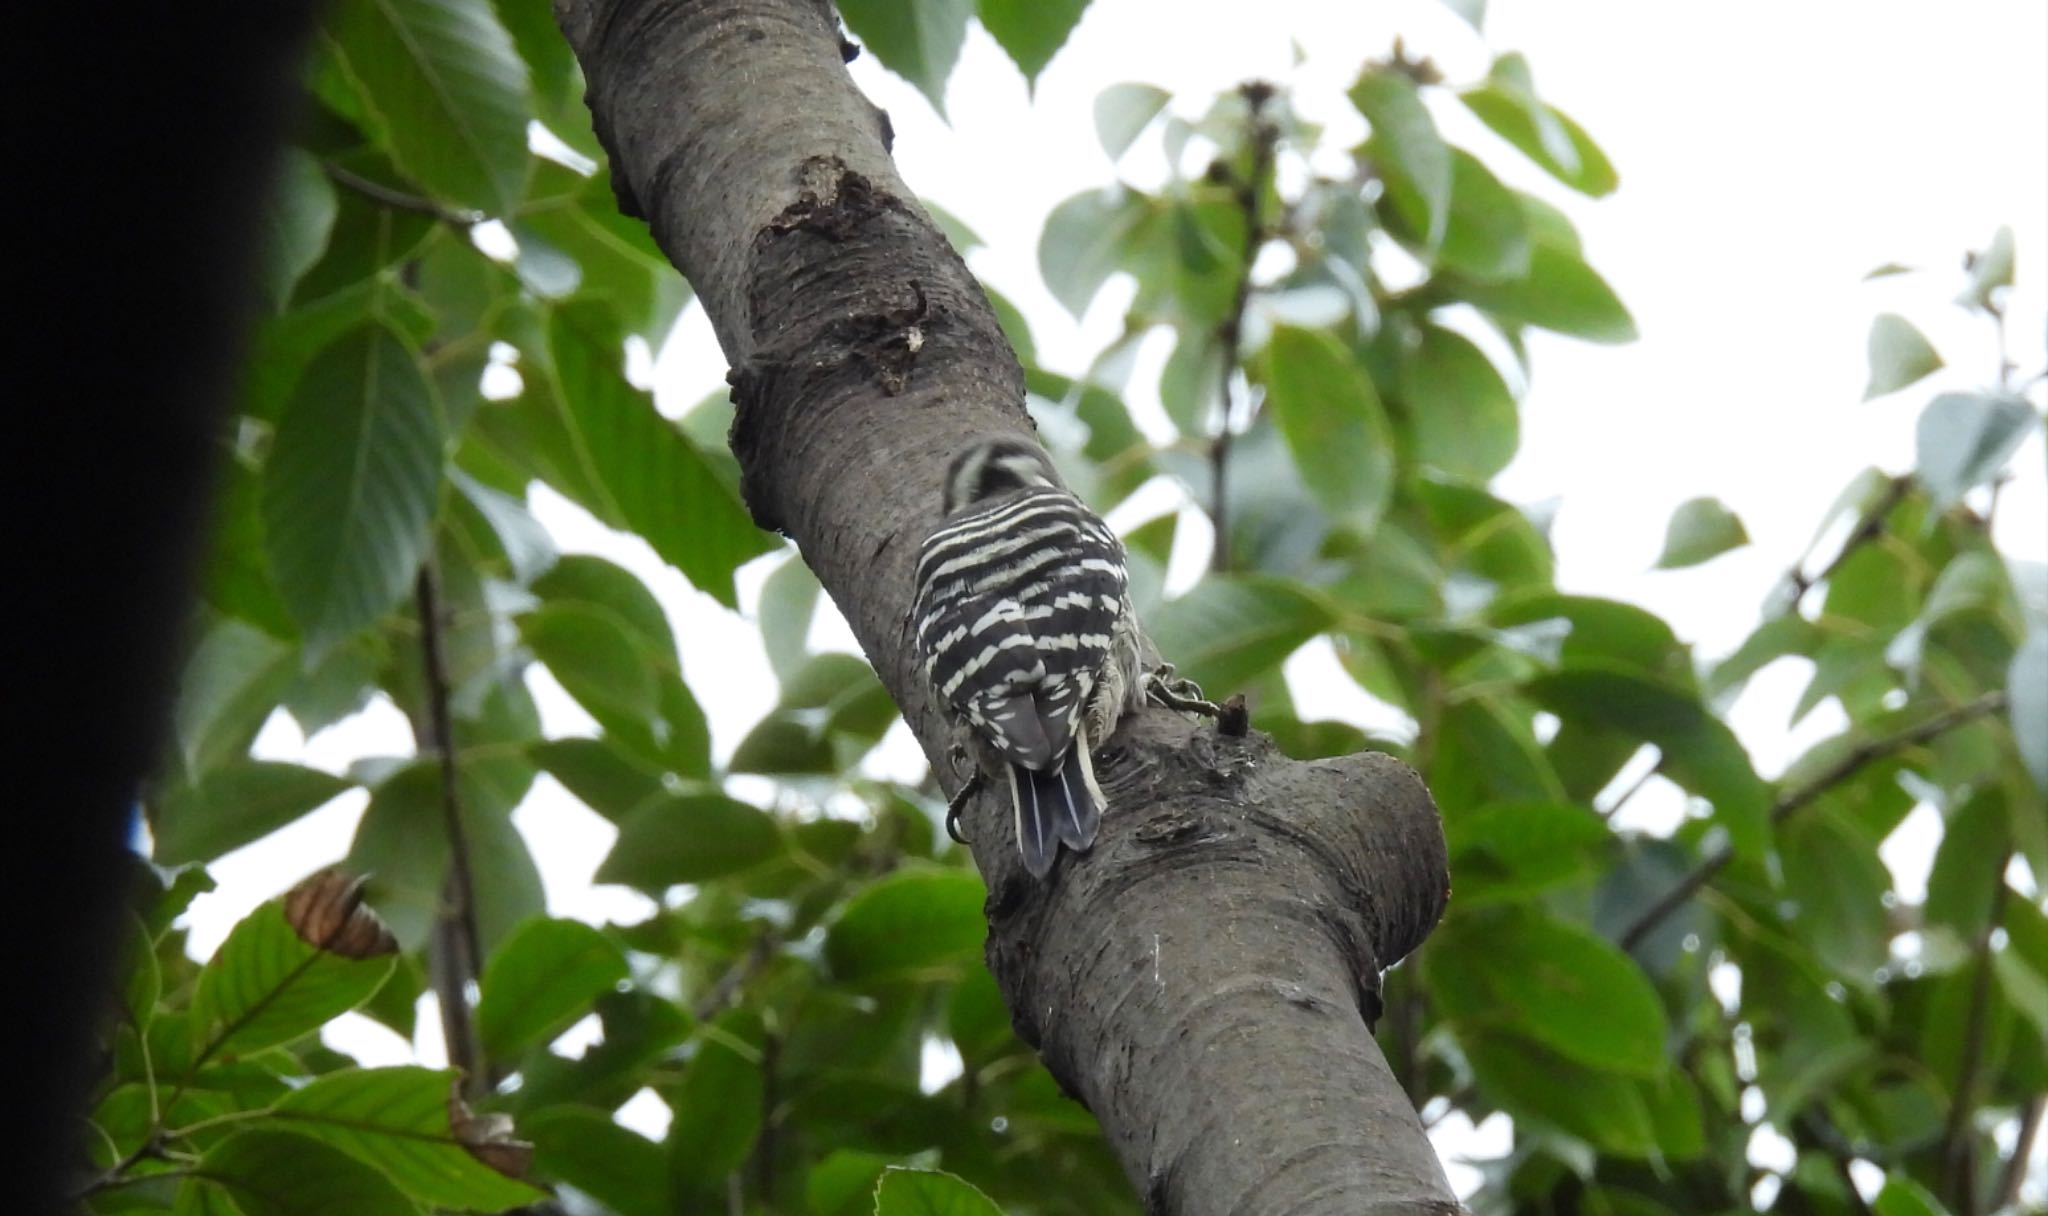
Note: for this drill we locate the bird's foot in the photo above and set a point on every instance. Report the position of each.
(957, 804)
(1175, 692)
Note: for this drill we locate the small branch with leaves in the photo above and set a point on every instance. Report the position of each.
(1265, 138)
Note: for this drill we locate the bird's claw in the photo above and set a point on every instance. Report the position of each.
(957, 804)
(1175, 692)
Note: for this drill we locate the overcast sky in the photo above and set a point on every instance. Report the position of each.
(1771, 153)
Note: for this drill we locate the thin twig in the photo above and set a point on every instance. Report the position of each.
(459, 959)
(1958, 1151)
(2008, 1193)
(727, 987)
(1250, 196)
(1614, 808)
(117, 1174)
(399, 200)
(1871, 527)
(1791, 802)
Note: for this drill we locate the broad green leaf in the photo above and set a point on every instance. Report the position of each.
(230, 684)
(1601, 630)
(540, 980)
(1902, 1196)
(397, 1119)
(1333, 422)
(2027, 684)
(407, 860)
(639, 1030)
(1484, 536)
(261, 1172)
(443, 91)
(1969, 864)
(615, 259)
(527, 547)
(1552, 982)
(1528, 1081)
(1836, 901)
(585, 1148)
(1963, 439)
(1899, 355)
(350, 484)
(1488, 235)
(1701, 528)
(1456, 406)
(1405, 148)
(1560, 293)
(609, 779)
(1508, 104)
(1083, 238)
(340, 685)
(600, 663)
(1700, 752)
(1511, 851)
(720, 1103)
(637, 470)
(1990, 270)
(914, 922)
(1031, 32)
(918, 40)
(235, 579)
(300, 215)
(1228, 630)
(789, 601)
(582, 579)
(1124, 110)
(267, 985)
(908, 1192)
(234, 804)
(842, 1183)
(689, 838)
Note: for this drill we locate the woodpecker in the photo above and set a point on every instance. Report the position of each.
(1023, 626)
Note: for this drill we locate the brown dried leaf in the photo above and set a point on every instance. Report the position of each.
(328, 913)
(489, 1138)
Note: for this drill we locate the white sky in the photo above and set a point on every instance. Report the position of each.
(1771, 153)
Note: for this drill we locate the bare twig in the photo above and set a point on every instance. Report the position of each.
(1799, 582)
(399, 200)
(726, 989)
(458, 959)
(1614, 808)
(1250, 195)
(1958, 1147)
(1792, 801)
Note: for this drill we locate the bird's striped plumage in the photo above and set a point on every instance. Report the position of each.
(1021, 617)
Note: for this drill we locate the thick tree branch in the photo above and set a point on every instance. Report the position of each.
(1204, 978)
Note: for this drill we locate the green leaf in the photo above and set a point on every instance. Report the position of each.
(1405, 147)
(637, 470)
(2026, 683)
(300, 216)
(918, 40)
(408, 866)
(1488, 235)
(1511, 851)
(234, 804)
(1899, 355)
(350, 484)
(1332, 420)
(590, 650)
(529, 550)
(1508, 104)
(1963, 439)
(789, 601)
(1530, 1082)
(912, 922)
(1122, 111)
(607, 778)
(229, 687)
(1701, 528)
(584, 580)
(1031, 32)
(1969, 865)
(1456, 406)
(689, 838)
(1228, 630)
(397, 1119)
(1560, 293)
(1902, 1196)
(267, 985)
(583, 1147)
(1700, 752)
(540, 980)
(443, 91)
(720, 1103)
(1552, 982)
(1990, 270)
(273, 1173)
(616, 261)
(908, 1192)
(1837, 896)
(1083, 236)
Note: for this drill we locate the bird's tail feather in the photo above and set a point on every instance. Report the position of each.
(1060, 806)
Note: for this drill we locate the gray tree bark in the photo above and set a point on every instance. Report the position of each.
(1204, 979)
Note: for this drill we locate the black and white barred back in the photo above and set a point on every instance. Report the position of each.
(1023, 625)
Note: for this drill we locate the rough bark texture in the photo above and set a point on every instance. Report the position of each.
(1203, 979)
